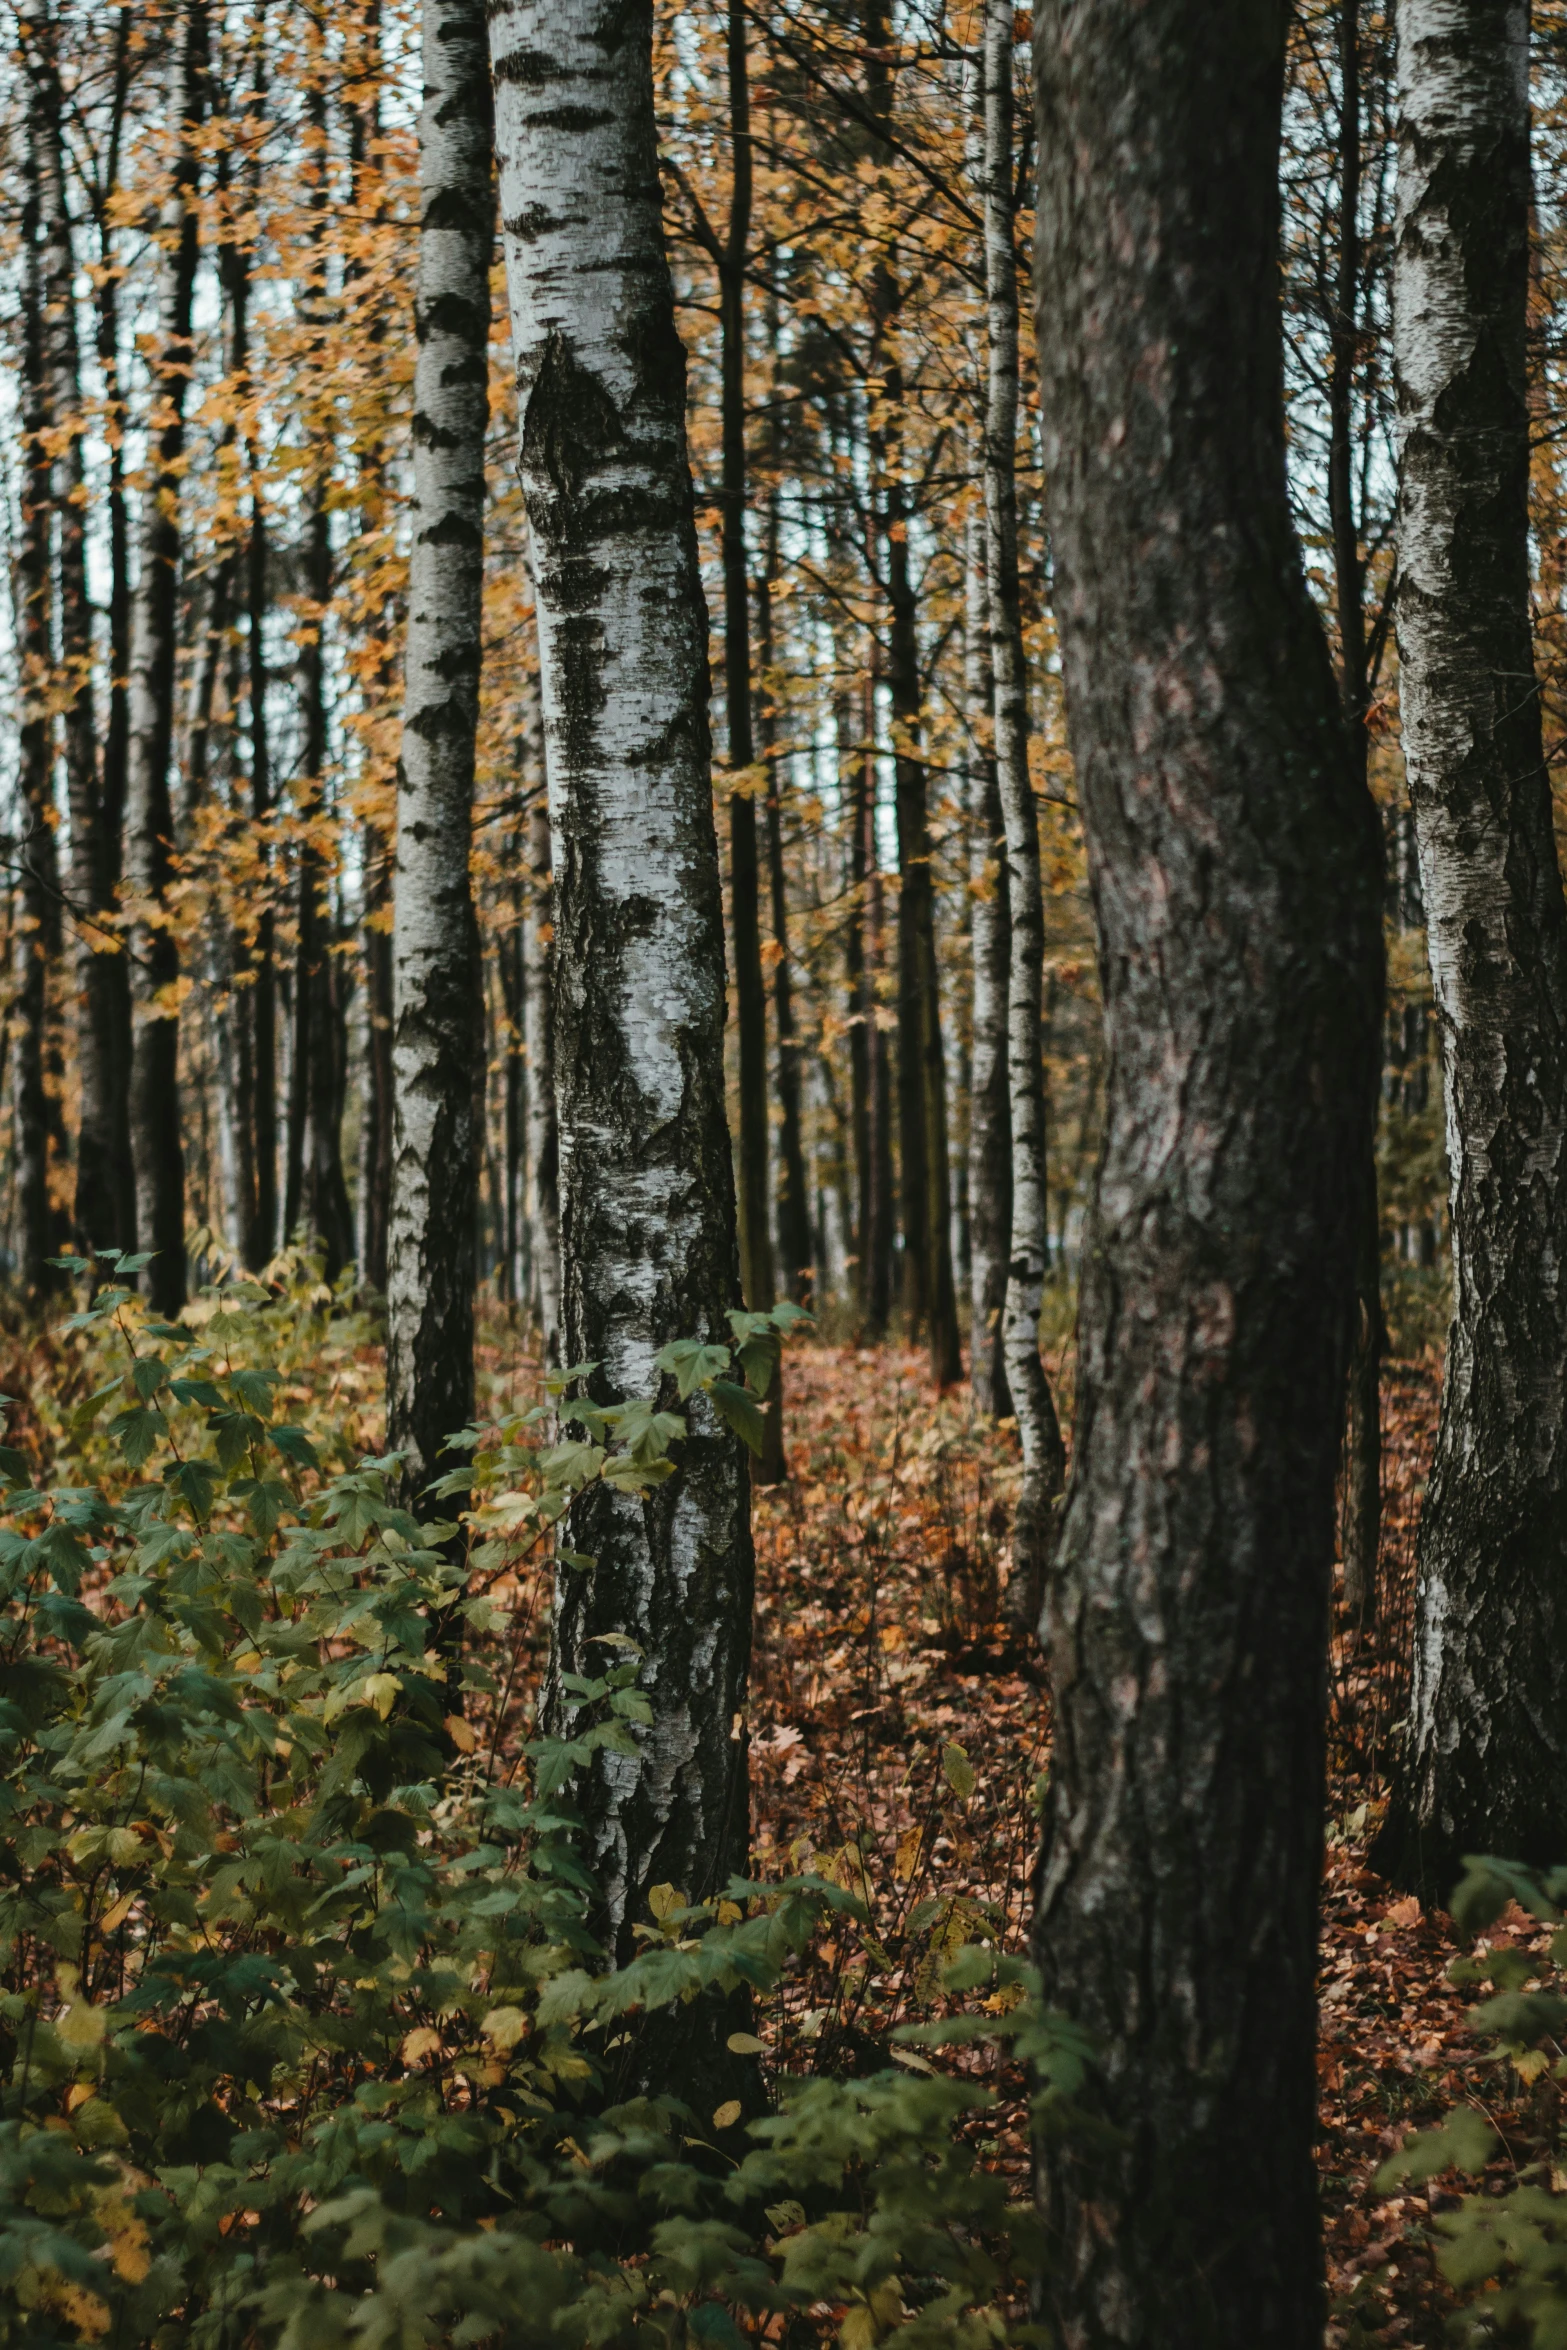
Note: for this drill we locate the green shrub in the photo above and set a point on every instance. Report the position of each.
(303, 2033)
(1506, 2251)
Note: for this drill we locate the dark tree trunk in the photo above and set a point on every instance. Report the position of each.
(116, 976)
(1486, 1763)
(104, 1214)
(39, 944)
(377, 1206)
(758, 1277)
(1360, 1516)
(647, 1199)
(436, 1030)
(155, 1090)
(990, 1097)
(318, 1204)
(1234, 864)
(261, 1022)
(872, 1078)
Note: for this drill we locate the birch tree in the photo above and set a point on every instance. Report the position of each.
(1235, 870)
(1487, 1755)
(990, 1116)
(646, 1194)
(436, 1001)
(149, 859)
(1044, 1455)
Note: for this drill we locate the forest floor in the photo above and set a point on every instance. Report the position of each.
(897, 1741)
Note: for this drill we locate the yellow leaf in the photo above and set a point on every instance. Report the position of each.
(663, 1899)
(82, 2026)
(1531, 2064)
(907, 1863)
(503, 2027)
(727, 2114)
(746, 2044)
(461, 1734)
(959, 1771)
(118, 1914)
(80, 2094)
(127, 2238)
(420, 2043)
(380, 1690)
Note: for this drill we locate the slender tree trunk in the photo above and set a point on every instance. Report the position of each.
(318, 1200)
(990, 1099)
(435, 1031)
(1486, 1764)
(1360, 1516)
(379, 990)
(543, 1148)
(116, 975)
(647, 1199)
(261, 1235)
(758, 1276)
(1234, 863)
(1039, 1433)
(794, 1203)
(155, 1090)
(103, 1143)
(40, 927)
(867, 962)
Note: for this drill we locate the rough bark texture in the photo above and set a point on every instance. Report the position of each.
(149, 862)
(1360, 1514)
(1486, 1766)
(647, 1198)
(542, 1144)
(105, 1206)
(1234, 866)
(39, 942)
(435, 1169)
(1039, 1433)
(793, 1206)
(990, 1100)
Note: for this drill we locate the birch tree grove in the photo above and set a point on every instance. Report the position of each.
(647, 1214)
(435, 1020)
(1236, 885)
(1487, 1758)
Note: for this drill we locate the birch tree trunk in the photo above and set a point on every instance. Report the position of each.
(1234, 865)
(1486, 1764)
(1039, 1433)
(990, 1108)
(149, 861)
(1360, 1516)
(542, 1148)
(647, 1197)
(436, 983)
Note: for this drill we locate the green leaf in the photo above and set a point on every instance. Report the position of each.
(1464, 2142)
(958, 1771)
(691, 1363)
(738, 1410)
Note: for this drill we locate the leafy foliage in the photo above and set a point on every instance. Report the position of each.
(304, 2033)
(1506, 2251)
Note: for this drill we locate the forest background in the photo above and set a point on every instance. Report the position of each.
(209, 283)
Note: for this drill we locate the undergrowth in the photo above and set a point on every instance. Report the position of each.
(304, 2037)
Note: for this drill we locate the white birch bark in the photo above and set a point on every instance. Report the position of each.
(1487, 1761)
(990, 1121)
(646, 1190)
(1044, 1456)
(436, 1005)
